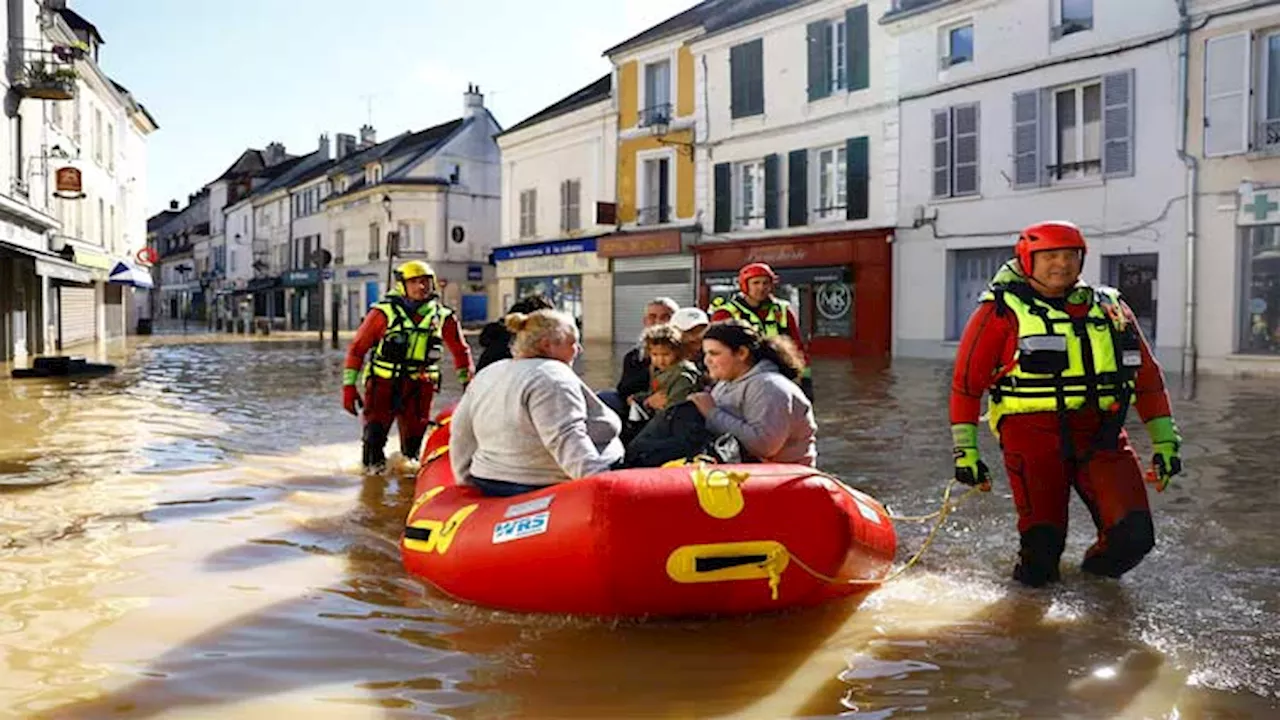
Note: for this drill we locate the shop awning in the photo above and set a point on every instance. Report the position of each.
(126, 274)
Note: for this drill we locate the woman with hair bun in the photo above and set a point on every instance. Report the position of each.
(756, 398)
(530, 421)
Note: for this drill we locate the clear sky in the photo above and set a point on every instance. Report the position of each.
(223, 76)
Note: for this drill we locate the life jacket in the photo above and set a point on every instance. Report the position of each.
(409, 348)
(1064, 363)
(773, 323)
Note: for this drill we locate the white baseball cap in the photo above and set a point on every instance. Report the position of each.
(686, 319)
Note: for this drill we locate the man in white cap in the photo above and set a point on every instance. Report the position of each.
(692, 322)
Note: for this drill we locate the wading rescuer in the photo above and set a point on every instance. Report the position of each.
(405, 330)
(755, 304)
(1062, 361)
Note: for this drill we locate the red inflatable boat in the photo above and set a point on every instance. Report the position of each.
(679, 541)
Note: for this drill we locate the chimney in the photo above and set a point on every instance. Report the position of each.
(368, 138)
(273, 154)
(472, 101)
(346, 144)
(173, 204)
(323, 147)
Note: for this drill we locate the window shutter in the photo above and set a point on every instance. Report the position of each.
(857, 179)
(564, 205)
(819, 60)
(858, 46)
(1117, 124)
(772, 216)
(942, 153)
(964, 153)
(751, 89)
(1226, 91)
(737, 81)
(798, 188)
(1028, 167)
(724, 201)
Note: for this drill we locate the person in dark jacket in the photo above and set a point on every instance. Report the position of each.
(635, 366)
(495, 338)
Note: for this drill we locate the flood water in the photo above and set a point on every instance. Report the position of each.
(191, 537)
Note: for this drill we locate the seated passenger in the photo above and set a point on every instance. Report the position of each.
(672, 378)
(755, 399)
(495, 338)
(635, 367)
(530, 421)
(692, 322)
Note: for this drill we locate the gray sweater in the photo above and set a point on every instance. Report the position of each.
(532, 421)
(768, 414)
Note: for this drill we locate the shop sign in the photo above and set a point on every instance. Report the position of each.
(1262, 207)
(792, 254)
(475, 273)
(91, 259)
(67, 183)
(574, 264)
(532, 250)
(834, 304)
(639, 244)
(298, 278)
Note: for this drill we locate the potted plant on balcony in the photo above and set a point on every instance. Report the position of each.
(48, 81)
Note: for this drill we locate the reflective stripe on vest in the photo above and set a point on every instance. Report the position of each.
(1055, 367)
(775, 319)
(409, 348)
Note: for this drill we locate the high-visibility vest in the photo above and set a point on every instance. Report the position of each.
(773, 323)
(409, 348)
(1063, 363)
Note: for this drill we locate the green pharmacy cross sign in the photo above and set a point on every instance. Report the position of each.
(1261, 207)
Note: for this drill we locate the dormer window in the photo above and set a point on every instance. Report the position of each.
(373, 174)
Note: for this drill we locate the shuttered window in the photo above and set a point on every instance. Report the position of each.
(746, 79)
(1226, 95)
(772, 218)
(570, 205)
(858, 182)
(859, 40)
(1072, 131)
(723, 198)
(955, 151)
(1027, 165)
(1117, 124)
(797, 188)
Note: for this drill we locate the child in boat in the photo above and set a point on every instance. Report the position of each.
(672, 378)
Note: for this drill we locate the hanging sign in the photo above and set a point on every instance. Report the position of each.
(67, 184)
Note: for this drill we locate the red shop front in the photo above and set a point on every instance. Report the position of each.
(839, 283)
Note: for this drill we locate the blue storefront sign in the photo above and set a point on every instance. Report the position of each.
(475, 273)
(300, 278)
(555, 247)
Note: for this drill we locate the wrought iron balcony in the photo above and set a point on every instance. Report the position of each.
(656, 115)
(1269, 134)
(654, 215)
(45, 78)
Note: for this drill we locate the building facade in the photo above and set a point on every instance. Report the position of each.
(800, 116)
(1233, 126)
(72, 212)
(430, 195)
(558, 185)
(1017, 112)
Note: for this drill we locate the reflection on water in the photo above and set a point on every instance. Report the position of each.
(190, 538)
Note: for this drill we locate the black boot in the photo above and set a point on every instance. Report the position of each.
(1128, 541)
(375, 441)
(410, 447)
(1038, 559)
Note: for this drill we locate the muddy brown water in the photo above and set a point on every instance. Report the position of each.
(191, 537)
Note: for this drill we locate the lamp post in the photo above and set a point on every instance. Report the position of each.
(391, 249)
(184, 271)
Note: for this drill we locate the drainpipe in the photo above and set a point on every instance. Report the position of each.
(1188, 368)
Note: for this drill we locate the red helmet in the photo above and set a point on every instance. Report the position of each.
(1051, 235)
(755, 270)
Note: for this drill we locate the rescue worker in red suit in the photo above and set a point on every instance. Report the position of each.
(1062, 361)
(755, 304)
(405, 332)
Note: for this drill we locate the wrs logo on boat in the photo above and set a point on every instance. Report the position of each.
(521, 527)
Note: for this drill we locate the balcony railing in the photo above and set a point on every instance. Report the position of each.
(1269, 134)
(656, 115)
(654, 215)
(45, 78)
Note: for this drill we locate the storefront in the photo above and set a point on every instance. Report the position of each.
(646, 266)
(567, 272)
(303, 298)
(1260, 286)
(838, 283)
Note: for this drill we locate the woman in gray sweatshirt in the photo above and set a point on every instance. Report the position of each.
(755, 398)
(530, 421)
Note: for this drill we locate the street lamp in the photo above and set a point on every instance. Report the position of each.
(184, 271)
(391, 249)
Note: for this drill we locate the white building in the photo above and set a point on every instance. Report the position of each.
(1014, 112)
(1234, 131)
(73, 207)
(304, 277)
(557, 166)
(798, 162)
(437, 190)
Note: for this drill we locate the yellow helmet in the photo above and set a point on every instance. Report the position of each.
(414, 269)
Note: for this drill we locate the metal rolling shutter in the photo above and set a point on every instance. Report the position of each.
(115, 310)
(636, 281)
(76, 321)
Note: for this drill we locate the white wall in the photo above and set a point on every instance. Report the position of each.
(580, 145)
(1105, 209)
(790, 121)
(272, 213)
(239, 221)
